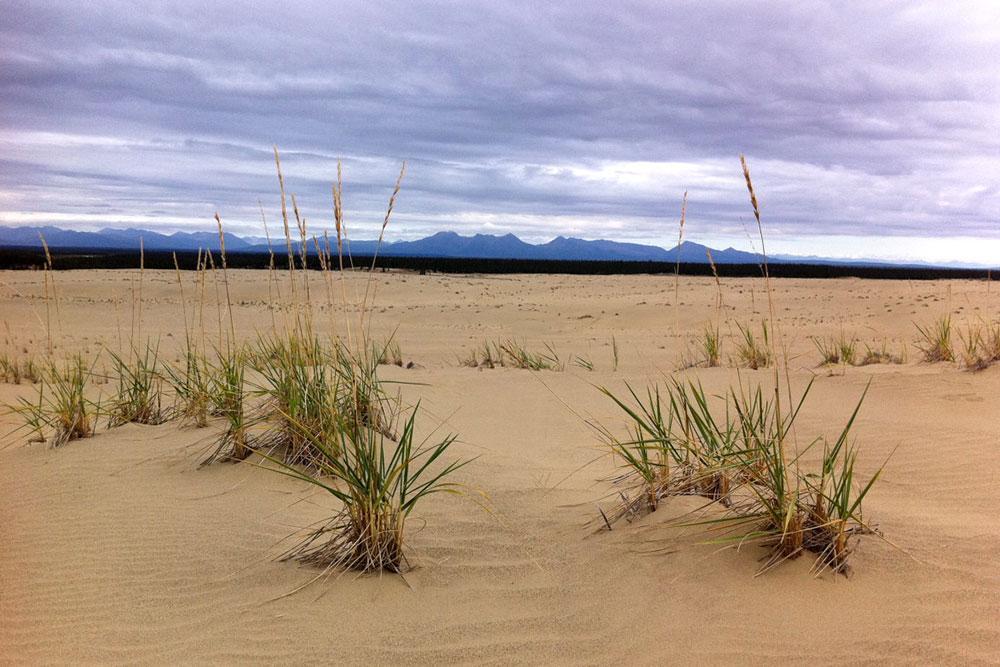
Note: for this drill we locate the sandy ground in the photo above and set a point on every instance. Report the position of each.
(118, 549)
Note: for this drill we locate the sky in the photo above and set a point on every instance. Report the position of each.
(872, 129)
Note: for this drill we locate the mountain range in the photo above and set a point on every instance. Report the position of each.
(441, 244)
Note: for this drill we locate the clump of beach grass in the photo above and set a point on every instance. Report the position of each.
(735, 458)
(228, 399)
(990, 342)
(378, 482)
(336, 428)
(13, 369)
(389, 353)
(710, 346)
(62, 407)
(508, 352)
(979, 345)
(140, 389)
(192, 386)
(361, 395)
(487, 355)
(935, 341)
(519, 356)
(881, 353)
(303, 393)
(837, 350)
(300, 391)
(677, 450)
(745, 458)
(753, 352)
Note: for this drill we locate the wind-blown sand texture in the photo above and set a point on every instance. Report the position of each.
(118, 549)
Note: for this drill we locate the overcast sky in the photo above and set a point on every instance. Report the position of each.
(872, 129)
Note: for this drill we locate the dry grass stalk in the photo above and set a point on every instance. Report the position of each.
(284, 220)
(271, 282)
(378, 247)
(48, 278)
(791, 537)
(677, 268)
(218, 296)
(225, 279)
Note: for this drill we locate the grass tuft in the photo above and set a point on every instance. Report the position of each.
(378, 482)
(62, 406)
(882, 354)
(488, 355)
(228, 397)
(710, 347)
(140, 389)
(389, 353)
(734, 458)
(753, 352)
(192, 388)
(509, 352)
(837, 350)
(973, 346)
(935, 342)
(14, 370)
(519, 356)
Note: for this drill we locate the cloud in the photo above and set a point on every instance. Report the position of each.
(584, 118)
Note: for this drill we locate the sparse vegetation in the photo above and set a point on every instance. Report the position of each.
(990, 342)
(323, 416)
(971, 348)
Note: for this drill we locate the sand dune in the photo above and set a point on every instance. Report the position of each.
(118, 549)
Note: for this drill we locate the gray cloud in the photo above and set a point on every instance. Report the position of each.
(877, 119)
